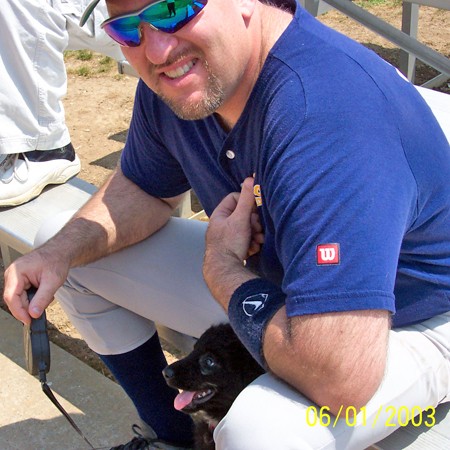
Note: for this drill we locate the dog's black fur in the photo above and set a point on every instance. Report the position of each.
(218, 369)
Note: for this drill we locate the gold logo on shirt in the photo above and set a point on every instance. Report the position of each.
(257, 194)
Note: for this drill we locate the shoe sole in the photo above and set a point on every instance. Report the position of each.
(65, 175)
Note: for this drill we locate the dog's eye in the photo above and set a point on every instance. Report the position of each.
(207, 364)
(208, 361)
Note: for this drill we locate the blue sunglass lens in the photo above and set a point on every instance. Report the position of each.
(166, 16)
(125, 31)
(183, 12)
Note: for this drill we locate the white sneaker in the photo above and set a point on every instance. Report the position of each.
(23, 176)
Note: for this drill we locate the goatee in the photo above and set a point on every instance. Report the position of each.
(210, 102)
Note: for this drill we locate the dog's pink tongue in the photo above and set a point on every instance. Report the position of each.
(183, 399)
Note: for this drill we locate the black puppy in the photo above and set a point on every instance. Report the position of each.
(211, 377)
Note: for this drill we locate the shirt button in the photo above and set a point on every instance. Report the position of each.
(230, 154)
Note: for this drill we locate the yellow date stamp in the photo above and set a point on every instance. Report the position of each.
(388, 416)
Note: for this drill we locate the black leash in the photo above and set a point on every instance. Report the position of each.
(37, 357)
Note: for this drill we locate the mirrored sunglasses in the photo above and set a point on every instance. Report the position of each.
(164, 15)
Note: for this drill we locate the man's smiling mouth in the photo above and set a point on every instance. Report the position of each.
(180, 71)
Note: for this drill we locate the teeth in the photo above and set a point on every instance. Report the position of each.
(202, 394)
(180, 71)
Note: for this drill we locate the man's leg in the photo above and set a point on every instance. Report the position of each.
(90, 36)
(439, 103)
(269, 414)
(33, 77)
(159, 279)
(111, 302)
(35, 147)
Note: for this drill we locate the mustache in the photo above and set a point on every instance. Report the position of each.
(176, 57)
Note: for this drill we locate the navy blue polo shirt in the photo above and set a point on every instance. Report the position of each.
(351, 171)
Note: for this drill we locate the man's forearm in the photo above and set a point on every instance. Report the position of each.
(223, 275)
(118, 215)
(335, 359)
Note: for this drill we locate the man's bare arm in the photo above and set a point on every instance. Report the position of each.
(118, 215)
(335, 359)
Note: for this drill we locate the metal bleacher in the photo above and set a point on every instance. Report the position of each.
(406, 38)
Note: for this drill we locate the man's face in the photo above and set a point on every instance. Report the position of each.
(199, 69)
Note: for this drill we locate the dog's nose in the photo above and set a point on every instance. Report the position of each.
(168, 372)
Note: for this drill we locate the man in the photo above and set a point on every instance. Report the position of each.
(345, 295)
(171, 7)
(35, 147)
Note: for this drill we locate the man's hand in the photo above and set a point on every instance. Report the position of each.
(234, 226)
(37, 269)
(234, 233)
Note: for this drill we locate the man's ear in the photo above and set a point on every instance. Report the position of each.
(247, 7)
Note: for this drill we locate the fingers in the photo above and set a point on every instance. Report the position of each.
(43, 297)
(257, 229)
(255, 223)
(14, 294)
(30, 270)
(19, 308)
(241, 205)
(234, 227)
(253, 249)
(246, 203)
(226, 207)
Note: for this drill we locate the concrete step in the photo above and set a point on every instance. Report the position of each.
(28, 419)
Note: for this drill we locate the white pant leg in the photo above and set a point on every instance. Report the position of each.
(439, 103)
(113, 302)
(33, 78)
(32, 70)
(90, 36)
(270, 415)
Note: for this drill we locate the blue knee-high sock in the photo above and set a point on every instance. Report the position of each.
(139, 374)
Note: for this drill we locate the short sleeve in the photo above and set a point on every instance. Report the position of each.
(145, 159)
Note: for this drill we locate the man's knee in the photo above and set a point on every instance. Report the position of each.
(51, 226)
(269, 414)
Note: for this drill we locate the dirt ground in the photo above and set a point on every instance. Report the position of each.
(99, 105)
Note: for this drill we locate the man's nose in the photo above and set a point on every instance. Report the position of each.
(157, 44)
